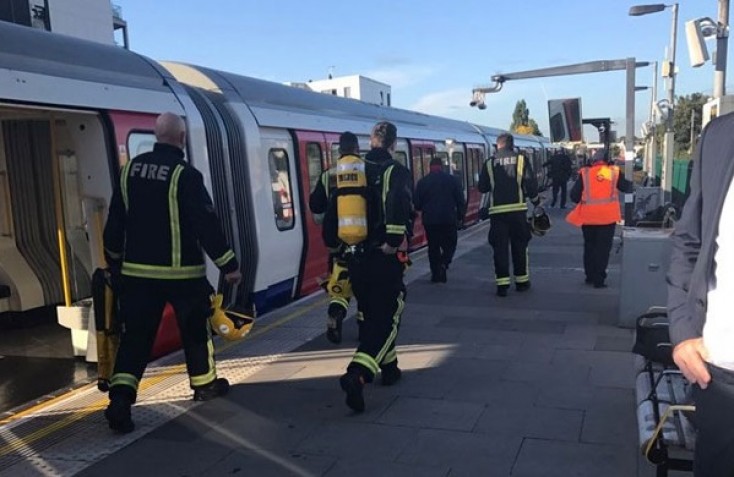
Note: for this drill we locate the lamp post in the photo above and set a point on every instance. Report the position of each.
(669, 72)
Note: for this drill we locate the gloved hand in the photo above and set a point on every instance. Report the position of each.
(388, 250)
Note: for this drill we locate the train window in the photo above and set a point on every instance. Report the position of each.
(280, 178)
(334, 154)
(139, 142)
(444, 157)
(457, 167)
(313, 156)
(417, 165)
(401, 157)
(427, 156)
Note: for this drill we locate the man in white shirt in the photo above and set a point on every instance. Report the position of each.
(701, 297)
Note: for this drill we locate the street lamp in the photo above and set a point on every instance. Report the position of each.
(669, 72)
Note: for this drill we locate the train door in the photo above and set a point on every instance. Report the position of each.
(475, 162)
(313, 160)
(421, 154)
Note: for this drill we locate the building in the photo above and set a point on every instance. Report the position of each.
(94, 20)
(355, 87)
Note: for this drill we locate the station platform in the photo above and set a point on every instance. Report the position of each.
(539, 383)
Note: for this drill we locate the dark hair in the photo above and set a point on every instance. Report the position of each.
(348, 143)
(436, 161)
(505, 141)
(386, 132)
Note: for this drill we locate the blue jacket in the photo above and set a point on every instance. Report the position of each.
(691, 272)
(439, 196)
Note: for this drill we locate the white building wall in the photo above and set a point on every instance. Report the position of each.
(355, 87)
(86, 19)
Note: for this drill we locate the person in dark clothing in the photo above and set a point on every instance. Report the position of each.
(441, 200)
(509, 179)
(340, 295)
(375, 267)
(559, 171)
(160, 218)
(598, 213)
(701, 296)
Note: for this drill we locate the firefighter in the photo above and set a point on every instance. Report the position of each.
(160, 218)
(338, 286)
(375, 265)
(597, 213)
(509, 179)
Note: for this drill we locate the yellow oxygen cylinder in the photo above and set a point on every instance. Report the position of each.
(351, 184)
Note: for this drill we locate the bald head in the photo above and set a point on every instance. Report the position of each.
(170, 129)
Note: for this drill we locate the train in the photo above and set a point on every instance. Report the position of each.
(72, 112)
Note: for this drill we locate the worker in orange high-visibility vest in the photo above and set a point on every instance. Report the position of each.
(597, 212)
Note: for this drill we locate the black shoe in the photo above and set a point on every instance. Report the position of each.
(563, 207)
(218, 387)
(435, 278)
(521, 287)
(391, 375)
(600, 285)
(589, 281)
(352, 385)
(118, 415)
(334, 323)
(442, 276)
(502, 290)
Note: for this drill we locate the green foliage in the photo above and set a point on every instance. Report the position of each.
(521, 121)
(685, 107)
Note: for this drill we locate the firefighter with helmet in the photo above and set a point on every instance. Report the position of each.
(375, 264)
(338, 285)
(509, 180)
(161, 217)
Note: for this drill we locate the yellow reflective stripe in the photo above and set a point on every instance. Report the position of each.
(502, 280)
(347, 221)
(490, 171)
(174, 218)
(124, 379)
(386, 186)
(498, 209)
(395, 229)
(367, 361)
(163, 272)
(123, 184)
(522, 279)
(520, 172)
(394, 331)
(228, 255)
(204, 379)
(360, 316)
(339, 301)
(390, 357)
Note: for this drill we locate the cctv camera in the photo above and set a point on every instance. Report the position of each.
(472, 103)
(482, 106)
(697, 51)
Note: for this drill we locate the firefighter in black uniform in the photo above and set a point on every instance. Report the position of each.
(376, 268)
(160, 218)
(317, 202)
(509, 179)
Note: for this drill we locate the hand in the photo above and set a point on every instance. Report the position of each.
(233, 278)
(388, 250)
(690, 356)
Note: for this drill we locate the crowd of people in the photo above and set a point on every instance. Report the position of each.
(161, 223)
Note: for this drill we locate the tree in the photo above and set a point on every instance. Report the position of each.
(685, 107)
(521, 122)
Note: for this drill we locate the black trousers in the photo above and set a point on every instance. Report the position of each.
(442, 239)
(510, 233)
(714, 456)
(562, 186)
(598, 241)
(377, 282)
(141, 307)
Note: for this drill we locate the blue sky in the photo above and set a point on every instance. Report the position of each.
(431, 52)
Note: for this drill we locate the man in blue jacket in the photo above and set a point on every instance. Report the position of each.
(701, 297)
(440, 199)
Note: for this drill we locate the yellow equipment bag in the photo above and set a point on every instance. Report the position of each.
(227, 323)
(351, 202)
(339, 285)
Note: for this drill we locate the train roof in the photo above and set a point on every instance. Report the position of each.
(36, 51)
(269, 100)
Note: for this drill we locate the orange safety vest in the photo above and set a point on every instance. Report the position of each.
(600, 199)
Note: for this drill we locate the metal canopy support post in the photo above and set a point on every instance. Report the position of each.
(722, 38)
(629, 138)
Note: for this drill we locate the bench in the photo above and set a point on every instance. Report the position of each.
(666, 434)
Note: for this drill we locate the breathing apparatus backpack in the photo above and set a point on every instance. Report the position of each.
(351, 200)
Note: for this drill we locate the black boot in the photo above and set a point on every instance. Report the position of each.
(502, 290)
(351, 383)
(118, 414)
(521, 287)
(337, 313)
(391, 374)
(218, 387)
